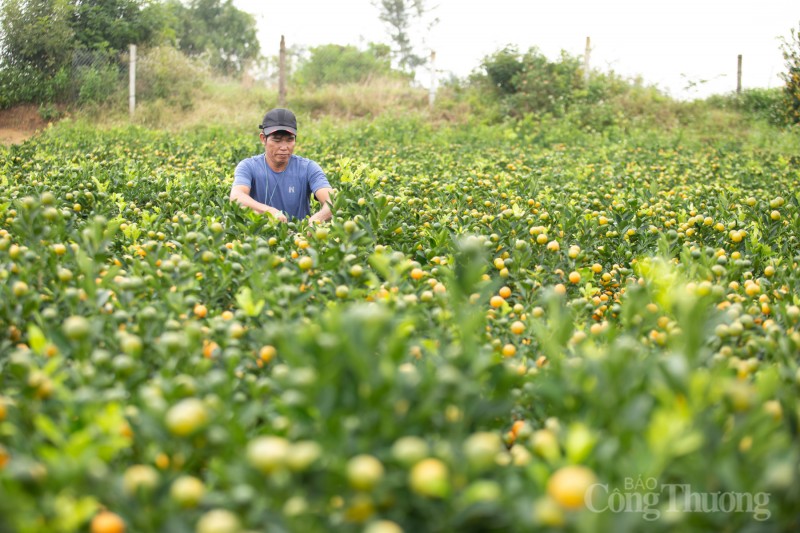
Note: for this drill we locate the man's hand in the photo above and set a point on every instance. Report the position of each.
(277, 214)
(323, 196)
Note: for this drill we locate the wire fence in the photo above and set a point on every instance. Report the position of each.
(94, 75)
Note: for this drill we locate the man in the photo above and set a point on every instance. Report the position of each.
(279, 182)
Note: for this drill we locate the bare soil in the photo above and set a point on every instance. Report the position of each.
(19, 124)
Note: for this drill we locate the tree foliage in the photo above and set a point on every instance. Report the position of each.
(336, 64)
(71, 50)
(403, 19)
(115, 24)
(37, 42)
(791, 54)
(36, 34)
(533, 83)
(44, 33)
(502, 68)
(219, 29)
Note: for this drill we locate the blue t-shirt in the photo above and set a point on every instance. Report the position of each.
(288, 191)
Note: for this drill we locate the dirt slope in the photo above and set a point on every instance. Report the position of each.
(19, 123)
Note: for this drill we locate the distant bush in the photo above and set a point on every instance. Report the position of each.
(97, 84)
(164, 73)
(96, 75)
(531, 83)
(763, 104)
(523, 84)
(90, 77)
(23, 84)
(333, 64)
(502, 69)
(45, 44)
(791, 91)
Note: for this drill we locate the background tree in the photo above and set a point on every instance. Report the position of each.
(36, 46)
(502, 68)
(336, 64)
(791, 53)
(43, 34)
(115, 24)
(218, 28)
(36, 34)
(530, 83)
(71, 50)
(405, 18)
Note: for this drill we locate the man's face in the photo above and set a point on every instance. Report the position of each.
(279, 146)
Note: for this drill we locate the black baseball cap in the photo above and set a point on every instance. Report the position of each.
(279, 119)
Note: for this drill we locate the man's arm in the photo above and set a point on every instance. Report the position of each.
(241, 194)
(323, 196)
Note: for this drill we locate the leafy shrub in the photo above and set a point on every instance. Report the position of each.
(91, 77)
(15, 89)
(96, 76)
(502, 68)
(548, 85)
(791, 91)
(765, 104)
(531, 84)
(165, 73)
(26, 84)
(62, 51)
(546, 92)
(97, 84)
(336, 64)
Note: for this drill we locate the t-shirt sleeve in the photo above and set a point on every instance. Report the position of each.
(243, 175)
(316, 177)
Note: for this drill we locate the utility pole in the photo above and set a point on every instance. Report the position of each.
(132, 80)
(586, 61)
(282, 75)
(432, 93)
(739, 76)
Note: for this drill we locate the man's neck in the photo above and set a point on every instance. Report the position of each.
(275, 166)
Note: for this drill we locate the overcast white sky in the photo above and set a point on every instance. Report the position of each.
(670, 44)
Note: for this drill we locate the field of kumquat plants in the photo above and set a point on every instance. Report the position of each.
(492, 334)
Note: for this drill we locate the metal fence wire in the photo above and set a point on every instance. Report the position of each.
(95, 73)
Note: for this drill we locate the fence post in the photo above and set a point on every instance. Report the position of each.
(132, 81)
(432, 92)
(282, 74)
(586, 61)
(739, 76)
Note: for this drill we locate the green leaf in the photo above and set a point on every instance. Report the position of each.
(381, 264)
(36, 339)
(72, 513)
(49, 429)
(101, 186)
(245, 300)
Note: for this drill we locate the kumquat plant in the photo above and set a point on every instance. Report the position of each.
(499, 330)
